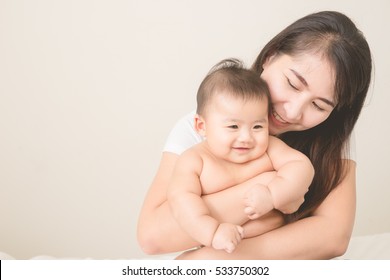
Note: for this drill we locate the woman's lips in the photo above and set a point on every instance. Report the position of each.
(277, 117)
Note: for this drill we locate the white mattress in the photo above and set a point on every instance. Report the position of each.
(370, 247)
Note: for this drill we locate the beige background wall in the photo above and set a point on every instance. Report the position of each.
(89, 90)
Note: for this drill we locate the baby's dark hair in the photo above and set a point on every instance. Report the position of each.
(231, 77)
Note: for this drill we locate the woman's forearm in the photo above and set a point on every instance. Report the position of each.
(162, 234)
(300, 240)
(159, 233)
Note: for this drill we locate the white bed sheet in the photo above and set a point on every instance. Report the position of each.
(369, 247)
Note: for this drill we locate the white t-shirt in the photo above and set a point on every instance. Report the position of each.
(183, 136)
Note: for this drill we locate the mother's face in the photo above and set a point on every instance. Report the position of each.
(302, 91)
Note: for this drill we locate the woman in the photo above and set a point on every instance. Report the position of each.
(318, 71)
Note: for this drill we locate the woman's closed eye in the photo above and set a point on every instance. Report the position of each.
(315, 104)
(317, 107)
(292, 85)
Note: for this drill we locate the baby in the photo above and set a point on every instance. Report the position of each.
(232, 115)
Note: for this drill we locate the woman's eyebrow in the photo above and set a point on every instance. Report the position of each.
(299, 76)
(330, 103)
(303, 81)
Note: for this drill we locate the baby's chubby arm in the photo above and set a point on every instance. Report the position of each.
(294, 174)
(188, 208)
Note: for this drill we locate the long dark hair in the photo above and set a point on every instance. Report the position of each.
(335, 36)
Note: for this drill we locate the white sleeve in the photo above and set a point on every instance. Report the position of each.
(183, 135)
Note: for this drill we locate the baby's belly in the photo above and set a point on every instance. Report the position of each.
(212, 183)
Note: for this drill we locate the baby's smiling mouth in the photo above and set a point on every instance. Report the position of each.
(241, 149)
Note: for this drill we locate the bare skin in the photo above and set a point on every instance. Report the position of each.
(156, 209)
(302, 97)
(331, 223)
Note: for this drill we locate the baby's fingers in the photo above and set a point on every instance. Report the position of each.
(241, 232)
(229, 248)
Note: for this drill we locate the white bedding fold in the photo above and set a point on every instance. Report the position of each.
(369, 247)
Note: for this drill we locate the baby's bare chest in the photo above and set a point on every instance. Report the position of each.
(218, 175)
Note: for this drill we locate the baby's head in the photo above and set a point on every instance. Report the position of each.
(232, 113)
(230, 77)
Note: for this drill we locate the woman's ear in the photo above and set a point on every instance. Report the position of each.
(200, 125)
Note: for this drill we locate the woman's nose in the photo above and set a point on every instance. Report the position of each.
(294, 110)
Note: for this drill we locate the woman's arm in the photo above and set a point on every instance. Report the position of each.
(159, 233)
(324, 235)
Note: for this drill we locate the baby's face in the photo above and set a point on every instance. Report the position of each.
(237, 130)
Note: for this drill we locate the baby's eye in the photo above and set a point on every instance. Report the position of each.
(258, 127)
(234, 126)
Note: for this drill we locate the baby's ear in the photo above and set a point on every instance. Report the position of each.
(200, 125)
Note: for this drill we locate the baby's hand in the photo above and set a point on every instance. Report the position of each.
(227, 237)
(258, 201)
